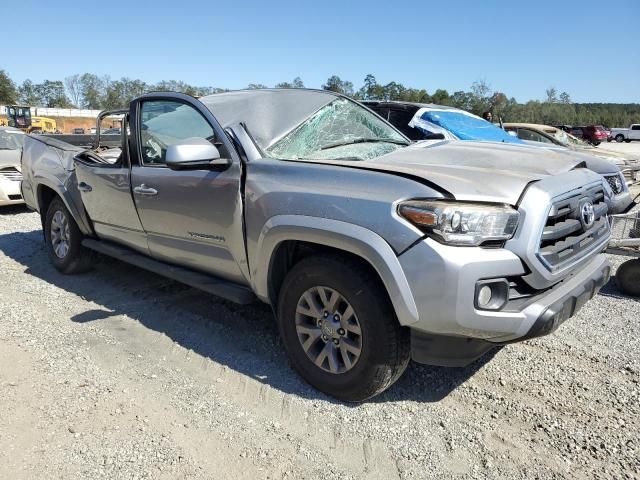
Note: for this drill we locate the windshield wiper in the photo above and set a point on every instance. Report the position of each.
(364, 140)
(350, 159)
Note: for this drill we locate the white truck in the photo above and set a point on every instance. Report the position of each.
(626, 134)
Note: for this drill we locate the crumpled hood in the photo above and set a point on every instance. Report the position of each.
(10, 158)
(599, 164)
(477, 171)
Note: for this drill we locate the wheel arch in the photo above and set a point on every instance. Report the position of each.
(47, 190)
(286, 239)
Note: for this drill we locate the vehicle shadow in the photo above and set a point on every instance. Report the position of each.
(14, 209)
(611, 290)
(244, 338)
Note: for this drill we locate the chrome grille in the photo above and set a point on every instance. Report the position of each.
(11, 174)
(567, 236)
(616, 183)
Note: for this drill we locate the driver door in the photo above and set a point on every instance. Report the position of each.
(192, 218)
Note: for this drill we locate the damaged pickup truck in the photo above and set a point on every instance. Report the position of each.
(370, 250)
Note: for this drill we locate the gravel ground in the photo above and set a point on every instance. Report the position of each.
(119, 373)
(632, 148)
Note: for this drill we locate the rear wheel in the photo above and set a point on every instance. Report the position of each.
(619, 138)
(628, 141)
(339, 328)
(64, 240)
(628, 277)
(595, 143)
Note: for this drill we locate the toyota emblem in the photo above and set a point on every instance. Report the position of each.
(587, 215)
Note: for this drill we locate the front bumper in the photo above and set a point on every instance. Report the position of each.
(443, 281)
(621, 203)
(10, 193)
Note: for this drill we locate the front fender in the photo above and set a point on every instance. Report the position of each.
(340, 235)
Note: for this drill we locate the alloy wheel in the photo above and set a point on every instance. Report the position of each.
(60, 234)
(328, 330)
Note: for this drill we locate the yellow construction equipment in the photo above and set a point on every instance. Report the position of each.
(43, 125)
(19, 116)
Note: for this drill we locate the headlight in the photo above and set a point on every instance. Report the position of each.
(460, 223)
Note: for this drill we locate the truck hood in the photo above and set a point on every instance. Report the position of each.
(477, 171)
(10, 158)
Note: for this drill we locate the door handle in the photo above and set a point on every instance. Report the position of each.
(144, 190)
(83, 187)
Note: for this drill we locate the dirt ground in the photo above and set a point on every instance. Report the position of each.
(122, 374)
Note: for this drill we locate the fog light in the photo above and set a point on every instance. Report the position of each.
(491, 294)
(484, 296)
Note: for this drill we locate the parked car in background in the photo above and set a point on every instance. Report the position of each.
(421, 121)
(629, 165)
(370, 249)
(609, 136)
(626, 134)
(111, 131)
(425, 121)
(11, 143)
(78, 131)
(593, 134)
(564, 128)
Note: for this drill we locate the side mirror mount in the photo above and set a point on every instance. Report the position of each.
(195, 154)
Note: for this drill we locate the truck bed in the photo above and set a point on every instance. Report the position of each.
(87, 141)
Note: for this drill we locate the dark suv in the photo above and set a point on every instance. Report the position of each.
(593, 134)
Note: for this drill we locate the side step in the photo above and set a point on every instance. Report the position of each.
(217, 286)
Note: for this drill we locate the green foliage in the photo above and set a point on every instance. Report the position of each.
(296, 83)
(91, 91)
(50, 93)
(336, 84)
(8, 92)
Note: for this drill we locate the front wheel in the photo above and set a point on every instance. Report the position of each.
(64, 240)
(619, 138)
(339, 329)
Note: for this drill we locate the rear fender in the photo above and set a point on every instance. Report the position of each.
(70, 196)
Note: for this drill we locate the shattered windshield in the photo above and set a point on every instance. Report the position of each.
(463, 125)
(10, 140)
(339, 130)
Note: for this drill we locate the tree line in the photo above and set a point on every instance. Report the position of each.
(94, 92)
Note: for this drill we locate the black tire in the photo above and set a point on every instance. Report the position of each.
(77, 259)
(385, 348)
(595, 143)
(628, 277)
(627, 141)
(619, 138)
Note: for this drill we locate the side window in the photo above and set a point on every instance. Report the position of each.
(532, 136)
(167, 122)
(635, 127)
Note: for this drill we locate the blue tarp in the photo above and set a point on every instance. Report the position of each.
(463, 125)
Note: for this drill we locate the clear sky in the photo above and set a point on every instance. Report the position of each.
(588, 48)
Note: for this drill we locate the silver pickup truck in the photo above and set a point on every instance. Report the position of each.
(370, 250)
(626, 134)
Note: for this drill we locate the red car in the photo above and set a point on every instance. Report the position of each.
(593, 134)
